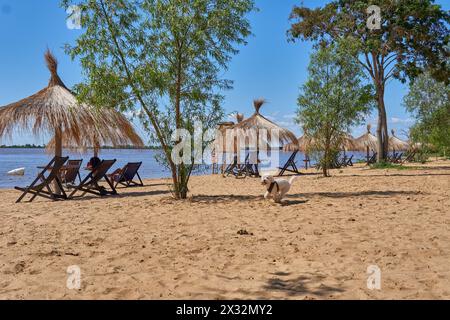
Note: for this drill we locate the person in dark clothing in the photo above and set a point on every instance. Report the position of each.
(93, 163)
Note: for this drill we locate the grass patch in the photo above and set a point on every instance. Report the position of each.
(388, 165)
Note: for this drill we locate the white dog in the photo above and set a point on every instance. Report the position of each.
(276, 188)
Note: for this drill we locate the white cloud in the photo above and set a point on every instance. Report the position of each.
(401, 120)
(290, 116)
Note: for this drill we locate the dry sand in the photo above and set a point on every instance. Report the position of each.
(317, 245)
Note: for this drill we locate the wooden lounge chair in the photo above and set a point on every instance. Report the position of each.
(127, 175)
(409, 157)
(397, 157)
(71, 173)
(348, 162)
(90, 183)
(290, 165)
(231, 167)
(372, 159)
(242, 170)
(41, 186)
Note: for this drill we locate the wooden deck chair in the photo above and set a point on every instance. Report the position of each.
(71, 173)
(290, 165)
(251, 169)
(409, 157)
(397, 158)
(90, 183)
(349, 161)
(230, 168)
(127, 175)
(41, 186)
(373, 159)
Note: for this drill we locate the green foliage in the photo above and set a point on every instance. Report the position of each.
(415, 31)
(429, 102)
(161, 59)
(412, 38)
(390, 165)
(332, 100)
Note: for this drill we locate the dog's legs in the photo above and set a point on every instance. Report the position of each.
(277, 197)
(267, 195)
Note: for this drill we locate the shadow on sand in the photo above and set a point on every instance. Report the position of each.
(387, 193)
(307, 284)
(121, 195)
(294, 199)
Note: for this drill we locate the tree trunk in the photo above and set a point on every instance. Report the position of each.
(180, 190)
(326, 155)
(382, 130)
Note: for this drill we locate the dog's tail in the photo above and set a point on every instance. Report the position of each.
(293, 179)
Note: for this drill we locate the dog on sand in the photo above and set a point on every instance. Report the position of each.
(276, 188)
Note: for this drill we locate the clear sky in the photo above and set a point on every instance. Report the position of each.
(268, 66)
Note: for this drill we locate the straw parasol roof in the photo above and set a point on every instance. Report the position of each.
(259, 122)
(348, 143)
(55, 109)
(397, 144)
(122, 133)
(302, 144)
(367, 140)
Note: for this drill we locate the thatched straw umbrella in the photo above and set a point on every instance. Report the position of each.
(395, 144)
(219, 143)
(55, 109)
(367, 142)
(114, 130)
(349, 143)
(258, 123)
(302, 144)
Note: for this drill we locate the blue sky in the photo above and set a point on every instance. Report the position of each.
(268, 66)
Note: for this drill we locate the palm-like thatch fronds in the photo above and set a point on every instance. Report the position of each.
(367, 141)
(55, 109)
(396, 144)
(302, 144)
(258, 122)
(120, 134)
(349, 143)
(220, 142)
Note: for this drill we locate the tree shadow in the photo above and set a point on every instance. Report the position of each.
(120, 187)
(119, 195)
(387, 193)
(224, 198)
(393, 175)
(307, 284)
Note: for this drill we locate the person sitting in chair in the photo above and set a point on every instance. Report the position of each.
(93, 163)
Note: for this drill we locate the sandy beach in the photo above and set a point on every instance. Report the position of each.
(318, 244)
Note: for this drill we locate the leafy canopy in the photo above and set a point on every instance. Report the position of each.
(412, 37)
(333, 100)
(162, 60)
(429, 101)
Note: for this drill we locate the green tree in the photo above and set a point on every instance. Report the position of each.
(332, 101)
(412, 37)
(429, 101)
(163, 59)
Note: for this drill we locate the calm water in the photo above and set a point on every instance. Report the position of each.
(30, 159)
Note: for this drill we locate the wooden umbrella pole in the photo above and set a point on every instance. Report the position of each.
(368, 156)
(58, 153)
